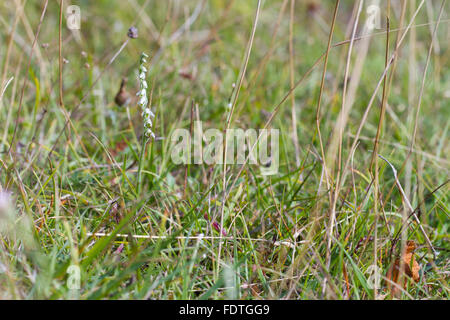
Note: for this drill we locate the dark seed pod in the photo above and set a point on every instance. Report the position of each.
(122, 97)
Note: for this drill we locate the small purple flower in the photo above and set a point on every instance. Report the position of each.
(132, 33)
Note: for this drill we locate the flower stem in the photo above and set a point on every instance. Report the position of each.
(141, 159)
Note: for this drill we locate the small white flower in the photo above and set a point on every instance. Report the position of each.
(148, 123)
(147, 113)
(143, 101)
(149, 133)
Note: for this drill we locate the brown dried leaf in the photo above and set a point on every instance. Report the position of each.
(407, 266)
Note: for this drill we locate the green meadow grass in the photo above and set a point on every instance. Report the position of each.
(87, 194)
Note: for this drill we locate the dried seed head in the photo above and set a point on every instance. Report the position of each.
(122, 96)
(312, 7)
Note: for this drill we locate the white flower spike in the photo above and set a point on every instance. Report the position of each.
(147, 114)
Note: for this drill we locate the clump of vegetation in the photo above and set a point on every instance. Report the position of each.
(93, 207)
